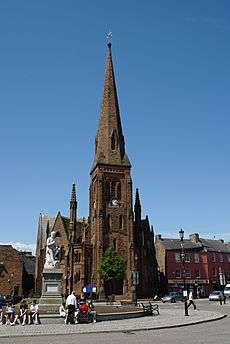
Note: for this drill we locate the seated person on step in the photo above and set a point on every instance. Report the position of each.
(91, 311)
(63, 311)
(82, 315)
(2, 316)
(22, 315)
(10, 313)
(34, 313)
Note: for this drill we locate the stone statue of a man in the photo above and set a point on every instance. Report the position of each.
(52, 252)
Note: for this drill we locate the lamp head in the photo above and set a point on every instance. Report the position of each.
(181, 233)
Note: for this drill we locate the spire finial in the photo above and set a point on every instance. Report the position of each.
(109, 37)
(73, 195)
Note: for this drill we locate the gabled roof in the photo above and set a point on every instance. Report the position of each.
(175, 244)
(43, 222)
(29, 263)
(214, 245)
(65, 221)
(202, 244)
(47, 220)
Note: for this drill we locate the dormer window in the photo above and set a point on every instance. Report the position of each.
(114, 141)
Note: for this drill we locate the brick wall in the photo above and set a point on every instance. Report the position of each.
(11, 283)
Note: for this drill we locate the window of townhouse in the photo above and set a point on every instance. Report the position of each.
(188, 273)
(187, 258)
(177, 273)
(196, 258)
(197, 273)
(177, 257)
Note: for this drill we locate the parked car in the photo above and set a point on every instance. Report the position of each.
(172, 297)
(227, 290)
(216, 295)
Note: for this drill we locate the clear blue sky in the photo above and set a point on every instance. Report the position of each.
(171, 61)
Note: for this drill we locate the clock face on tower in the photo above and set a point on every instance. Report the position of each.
(114, 202)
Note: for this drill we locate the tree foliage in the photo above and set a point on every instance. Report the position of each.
(111, 266)
(2, 269)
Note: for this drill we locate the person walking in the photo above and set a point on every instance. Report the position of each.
(190, 298)
(71, 303)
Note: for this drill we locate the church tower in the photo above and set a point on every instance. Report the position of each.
(111, 208)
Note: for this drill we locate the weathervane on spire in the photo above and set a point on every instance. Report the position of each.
(109, 37)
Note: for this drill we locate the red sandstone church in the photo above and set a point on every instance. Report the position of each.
(112, 218)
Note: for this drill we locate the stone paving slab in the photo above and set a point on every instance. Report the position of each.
(167, 318)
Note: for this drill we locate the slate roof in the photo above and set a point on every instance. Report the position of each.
(47, 219)
(175, 244)
(203, 244)
(42, 226)
(28, 262)
(214, 245)
(66, 221)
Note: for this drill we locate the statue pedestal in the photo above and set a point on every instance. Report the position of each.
(51, 298)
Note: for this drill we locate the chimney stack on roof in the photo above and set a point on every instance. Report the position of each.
(158, 237)
(194, 237)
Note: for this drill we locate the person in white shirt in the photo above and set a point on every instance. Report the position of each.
(190, 298)
(71, 303)
(63, 311)
(10, 313)
(33, 313)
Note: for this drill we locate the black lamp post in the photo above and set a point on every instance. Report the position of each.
(181, 233)
(136, 277)
(159, 281)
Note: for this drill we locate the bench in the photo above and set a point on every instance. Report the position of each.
(150, 308)
(127, 303)
(110, 299)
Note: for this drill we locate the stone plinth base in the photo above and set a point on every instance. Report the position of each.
(51, 298)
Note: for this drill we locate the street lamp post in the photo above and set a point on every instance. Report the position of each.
(181, 233)
(159, 281)
(136, 277)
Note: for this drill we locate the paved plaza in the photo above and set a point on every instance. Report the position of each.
(168, 318)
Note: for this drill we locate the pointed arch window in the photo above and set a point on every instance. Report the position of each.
(119, 190)
(108, 223)
(120, 222)
(115, 244)
(113, 189)
(114, 141)
(78, 276)
(77, 257)
(107, 191)
(96, 143)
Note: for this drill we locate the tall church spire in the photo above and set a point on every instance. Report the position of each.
(137, 224)
(110, 144)
(73, 214)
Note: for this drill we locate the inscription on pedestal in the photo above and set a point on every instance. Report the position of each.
(52, 288)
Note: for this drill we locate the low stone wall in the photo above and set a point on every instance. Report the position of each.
(56, 319)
